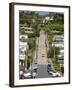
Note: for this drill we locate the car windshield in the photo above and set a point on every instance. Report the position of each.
(49, 65)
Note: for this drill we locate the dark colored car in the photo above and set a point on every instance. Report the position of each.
(21, 76)
(49, 67)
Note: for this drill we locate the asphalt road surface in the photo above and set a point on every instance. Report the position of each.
(42, 72)
(42, 55)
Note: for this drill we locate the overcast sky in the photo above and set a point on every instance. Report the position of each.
(42, 12)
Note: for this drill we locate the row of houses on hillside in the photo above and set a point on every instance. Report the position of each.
(23, 47)
(58, 41)
(26, 28)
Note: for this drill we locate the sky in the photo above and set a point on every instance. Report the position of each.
(42, 12)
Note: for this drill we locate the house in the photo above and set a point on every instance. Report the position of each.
(61, 56)
(23, 38)
(26, 28)
(58, 38)
(23, 25)
(22, 50)
(55, 31)
(23, 44)
(62, 51)
(47, 18)
(23, 47)
(59, 45)
(58, 41)
(22, 57)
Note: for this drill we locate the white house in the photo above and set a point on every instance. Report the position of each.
(23, 47)
(58, 38)
(22, 57)
(47, 18)
(23, 44)
(61, 56)
(26, 28)
(22, 50)
(62, 51)
(23, 37)
(60, 45)
(55, 31)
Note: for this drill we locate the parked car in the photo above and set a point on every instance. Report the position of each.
(27, 75)
(54, 74)
(35, 63)
(21, 76)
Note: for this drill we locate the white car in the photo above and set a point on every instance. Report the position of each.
(27, 75)
(21, 72)
(54, 74)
